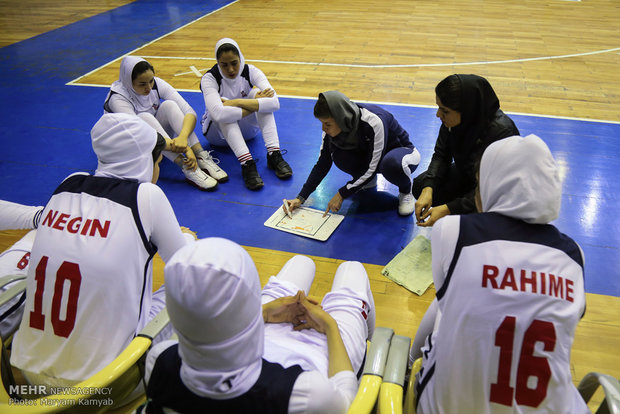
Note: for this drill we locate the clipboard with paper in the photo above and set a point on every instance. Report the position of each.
(305, 222)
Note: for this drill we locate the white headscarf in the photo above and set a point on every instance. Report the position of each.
(213, 299)
(231, 88)
(519, 179)
(124, 86)
(124, 144)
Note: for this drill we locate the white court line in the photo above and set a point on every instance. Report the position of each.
(195, 71)
(73, 82)
(313, 98)
(416, 65)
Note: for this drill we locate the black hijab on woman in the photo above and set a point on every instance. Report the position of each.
(478, 105)
(482, 122)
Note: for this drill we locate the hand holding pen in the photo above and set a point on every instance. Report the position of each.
(289, 205)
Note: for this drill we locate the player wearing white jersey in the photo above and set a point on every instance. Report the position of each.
(239, 104)
(510, 292)
(233, 358)
(90, 279)
(139, 91)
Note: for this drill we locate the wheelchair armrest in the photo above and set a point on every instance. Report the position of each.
(588, 385)
(398, 357)
(391, 393)
(372, 374)
(378, 351)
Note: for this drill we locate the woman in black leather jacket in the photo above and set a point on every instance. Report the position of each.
(471, 120)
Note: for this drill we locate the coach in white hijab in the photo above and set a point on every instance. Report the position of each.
(519, 179)
(213, 299)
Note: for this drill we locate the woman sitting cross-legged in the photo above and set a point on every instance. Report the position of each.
(138, 91)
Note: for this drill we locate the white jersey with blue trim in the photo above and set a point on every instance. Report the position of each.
(90, 277)
(116, 102)
(510, 295)
(246, 84)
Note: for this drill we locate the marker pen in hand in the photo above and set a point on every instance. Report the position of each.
(286, 210)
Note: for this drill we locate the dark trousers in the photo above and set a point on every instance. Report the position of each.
(454, 185)
(391, 166)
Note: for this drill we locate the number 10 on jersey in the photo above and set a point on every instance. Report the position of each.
(67, 272)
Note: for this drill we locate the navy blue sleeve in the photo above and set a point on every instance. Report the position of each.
(319, 171)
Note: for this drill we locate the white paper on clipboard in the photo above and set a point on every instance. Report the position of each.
(306, 222)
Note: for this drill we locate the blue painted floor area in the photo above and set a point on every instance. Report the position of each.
(45, 137)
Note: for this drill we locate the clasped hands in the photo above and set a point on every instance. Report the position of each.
(179, 146)
(299, 310)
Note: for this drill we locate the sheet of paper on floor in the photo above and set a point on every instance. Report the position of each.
(411, 268)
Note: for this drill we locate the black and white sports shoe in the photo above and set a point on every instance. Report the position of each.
(200, 179)
(277, 163)
(210, 165)
(251, 178)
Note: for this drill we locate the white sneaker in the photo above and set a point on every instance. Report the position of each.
(406, 204)
(209, 165)
(200, 179)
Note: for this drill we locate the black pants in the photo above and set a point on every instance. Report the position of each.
(454, 185)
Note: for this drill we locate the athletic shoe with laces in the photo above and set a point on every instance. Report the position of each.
(277, 163)
(251, 178)
(200, 179)
(406, 204)
(209, 165)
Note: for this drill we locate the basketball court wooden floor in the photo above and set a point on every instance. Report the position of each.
(59, 61)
